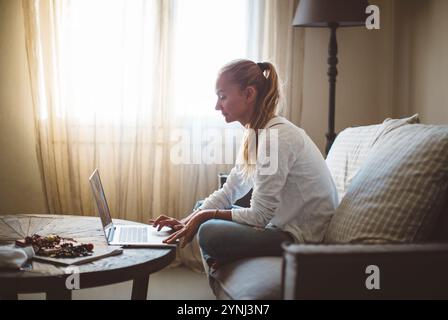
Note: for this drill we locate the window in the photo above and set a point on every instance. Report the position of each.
(104, 59)
(107, 52)
(208, 34)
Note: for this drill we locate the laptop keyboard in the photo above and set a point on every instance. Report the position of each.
(133, 234)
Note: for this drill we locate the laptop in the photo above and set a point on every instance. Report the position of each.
(125, 235)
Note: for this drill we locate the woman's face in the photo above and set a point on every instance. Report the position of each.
(235, 104)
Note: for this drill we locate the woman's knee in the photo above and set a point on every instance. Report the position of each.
(208, 233)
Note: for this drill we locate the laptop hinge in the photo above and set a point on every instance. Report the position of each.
(110, 235)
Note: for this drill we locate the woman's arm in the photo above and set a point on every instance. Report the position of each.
(233, 189)
(192, 227)
(270, 179)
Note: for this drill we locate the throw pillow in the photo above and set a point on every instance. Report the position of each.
(398, 193)
(352, 146)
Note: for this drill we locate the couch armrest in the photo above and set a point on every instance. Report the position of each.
(405, 271)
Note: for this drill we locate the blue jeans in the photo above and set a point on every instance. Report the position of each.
(224, 241)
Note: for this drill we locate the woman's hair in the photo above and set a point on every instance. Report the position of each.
(264, 78)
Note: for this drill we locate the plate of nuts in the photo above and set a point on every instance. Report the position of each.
(55, 246)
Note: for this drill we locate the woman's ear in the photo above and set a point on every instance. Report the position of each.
(251, 94)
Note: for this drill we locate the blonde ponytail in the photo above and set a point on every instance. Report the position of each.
(264, 78)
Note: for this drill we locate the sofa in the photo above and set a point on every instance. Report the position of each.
(387, 239)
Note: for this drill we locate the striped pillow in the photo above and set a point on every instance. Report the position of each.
(399, 191)
(352, 146)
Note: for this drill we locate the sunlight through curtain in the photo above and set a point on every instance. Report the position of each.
(116, 83)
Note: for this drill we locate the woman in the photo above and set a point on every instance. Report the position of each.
(292, 200)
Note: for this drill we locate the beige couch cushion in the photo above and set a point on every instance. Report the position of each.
(249, 279)
(352, 146)
(398, 192)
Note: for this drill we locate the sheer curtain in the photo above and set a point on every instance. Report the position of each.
(128, 87)
(274, 39)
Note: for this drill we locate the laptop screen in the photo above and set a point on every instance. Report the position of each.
(100, 199)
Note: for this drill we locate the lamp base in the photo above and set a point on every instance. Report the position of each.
(330, 139)
(332, 74)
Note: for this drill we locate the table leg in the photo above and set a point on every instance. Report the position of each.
(140, 288)
(59, 294)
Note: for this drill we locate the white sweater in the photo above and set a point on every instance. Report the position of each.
(299, 197)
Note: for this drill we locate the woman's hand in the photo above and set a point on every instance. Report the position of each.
(165, 221)
(190, 229)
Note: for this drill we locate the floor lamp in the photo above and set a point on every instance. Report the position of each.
(331, 14)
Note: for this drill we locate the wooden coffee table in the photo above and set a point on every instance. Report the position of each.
(132, 264)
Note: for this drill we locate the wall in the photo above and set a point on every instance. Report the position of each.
(397, 71)
(421, 56)
(20, 182)
(364, 87)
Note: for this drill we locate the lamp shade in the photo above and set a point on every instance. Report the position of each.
(322, 13)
